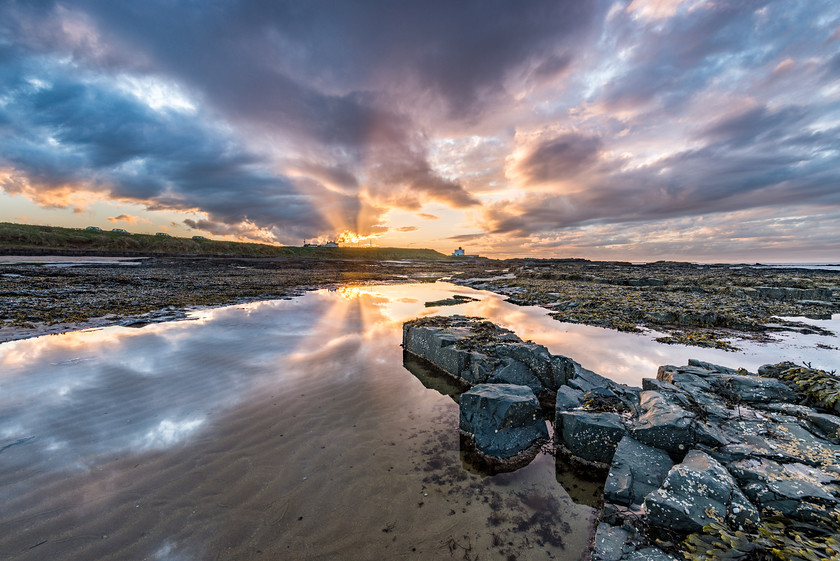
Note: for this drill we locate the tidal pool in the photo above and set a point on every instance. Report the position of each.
(286, 429)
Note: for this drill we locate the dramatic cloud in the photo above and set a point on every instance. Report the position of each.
(536, 123)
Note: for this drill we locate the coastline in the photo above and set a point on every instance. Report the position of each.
(692, 304)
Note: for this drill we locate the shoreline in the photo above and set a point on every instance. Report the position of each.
(691, 304)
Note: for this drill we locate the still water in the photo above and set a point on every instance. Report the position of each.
(286, 430)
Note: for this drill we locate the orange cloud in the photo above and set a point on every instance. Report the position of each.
(126, 218)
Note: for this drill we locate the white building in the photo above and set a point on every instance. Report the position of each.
(458, 252)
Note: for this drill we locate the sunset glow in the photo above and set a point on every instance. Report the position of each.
(637, 129)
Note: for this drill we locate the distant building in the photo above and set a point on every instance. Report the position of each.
(461, 253)
(328, 244)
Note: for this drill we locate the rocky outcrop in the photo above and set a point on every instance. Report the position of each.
(504, 423)
(704, 461)
(479, 352)
(787, 293)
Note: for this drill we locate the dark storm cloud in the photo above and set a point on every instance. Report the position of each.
(459, 50)
(247, 69)
(63, 130)
(561, 157)
(313, 117)
(777, 170)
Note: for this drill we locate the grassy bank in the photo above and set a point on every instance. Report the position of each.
(28, 238)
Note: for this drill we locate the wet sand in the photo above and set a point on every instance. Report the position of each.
(285, 430)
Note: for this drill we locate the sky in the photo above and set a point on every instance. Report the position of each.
(632, 130)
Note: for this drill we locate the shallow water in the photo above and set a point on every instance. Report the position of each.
(283, 429)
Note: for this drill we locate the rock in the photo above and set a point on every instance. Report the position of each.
(753, 389)
(589, 436)
(664, 425)
(503, 419)
(795, 490)
(479, 352)
(437, 345)
(649, 554)
(585, 380)
(652, 384)
(693, 491)
(514, 372)
(788, 293)
(637, 470)
(786, 442)
(538, 361)
(708, 366)
(609, 543)
(828, 424)
(568, 398)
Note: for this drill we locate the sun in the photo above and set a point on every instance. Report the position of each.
(351, 237)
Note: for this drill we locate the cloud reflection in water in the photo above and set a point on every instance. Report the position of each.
(67, 400)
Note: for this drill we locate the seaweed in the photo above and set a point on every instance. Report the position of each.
(771, 540)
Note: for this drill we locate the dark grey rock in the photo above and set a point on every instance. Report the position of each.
(437, 345)
(637, 470)
(504, 419)
(708, 366)
(537, 360)
(479, 352)
(590, 436)
(664, 425)
(568, 398)
(585, 380)
(797, 491)
(480, 368)
(752, 389)
(511, 371)
(649, 554)
(609, 543)
(697, 486)
(828, 424)
(652, 384)
(786, 442)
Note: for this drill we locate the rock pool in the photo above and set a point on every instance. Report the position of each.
(288, 429)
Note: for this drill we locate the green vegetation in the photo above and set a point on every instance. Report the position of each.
(43, 239)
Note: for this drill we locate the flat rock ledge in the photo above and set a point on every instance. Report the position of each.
(701, 462)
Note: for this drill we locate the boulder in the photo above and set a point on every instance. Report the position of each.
(590, 436)
(664, 425)
(503, 419)
(568, 398)
(609, 543)
(585, 380)
(549, 374)
(511, 371)
(637, 470)
(695, 490)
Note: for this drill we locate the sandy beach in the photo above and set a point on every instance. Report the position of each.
(283, 430)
